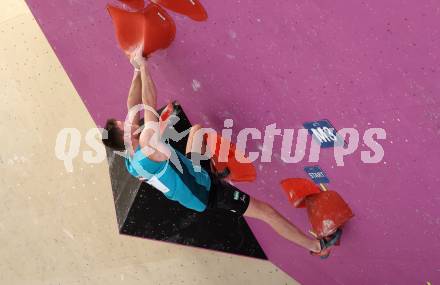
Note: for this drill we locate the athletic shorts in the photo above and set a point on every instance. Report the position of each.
(223, 195)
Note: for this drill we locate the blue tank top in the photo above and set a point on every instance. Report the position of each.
(190, 188)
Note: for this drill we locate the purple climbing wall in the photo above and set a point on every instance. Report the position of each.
(358, 63)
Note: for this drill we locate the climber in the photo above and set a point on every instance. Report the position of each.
(153, 160)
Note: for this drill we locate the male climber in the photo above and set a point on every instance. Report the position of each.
(151, 160)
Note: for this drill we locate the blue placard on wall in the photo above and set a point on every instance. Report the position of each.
(316, 174)
(323, 133)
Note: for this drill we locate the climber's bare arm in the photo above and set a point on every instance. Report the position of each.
(149, 139)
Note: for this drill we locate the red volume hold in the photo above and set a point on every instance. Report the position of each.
(297, 189)
(327, 212)
(134, 4)
(191, 8)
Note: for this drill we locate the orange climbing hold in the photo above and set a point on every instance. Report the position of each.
(159, 29)
(134, 4)
(224, 157)
(164, 116)
(327, 212)
(297, 189)
(128, 27)
(166, 112)
(191, 8)
(152, 26)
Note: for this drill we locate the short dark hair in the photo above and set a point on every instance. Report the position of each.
(114, 139)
